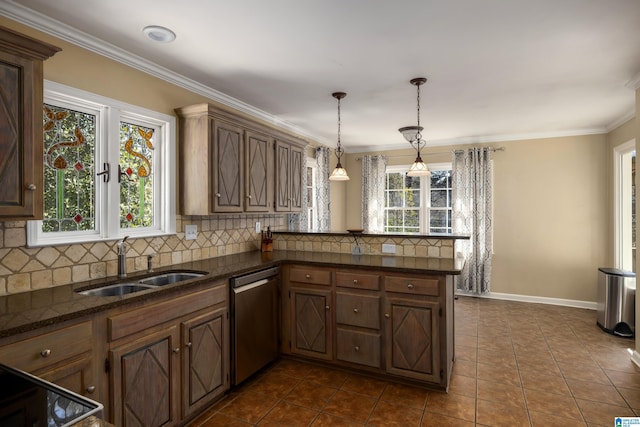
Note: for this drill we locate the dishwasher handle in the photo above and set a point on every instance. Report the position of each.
(250, 286)
(247, 279)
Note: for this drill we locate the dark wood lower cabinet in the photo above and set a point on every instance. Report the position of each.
(412, 337)
(205, 367)
(144, 380)
(310, 322)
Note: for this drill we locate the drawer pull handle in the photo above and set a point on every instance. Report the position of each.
(355, 310)
(356, 348)
(355, 281)
(45, 353)
(91, 389)
(308, 276)
(218, 195)
(176, 350)
(326, 307)
(31, 187)
(387, 315)
(189, 344)
(410, 286)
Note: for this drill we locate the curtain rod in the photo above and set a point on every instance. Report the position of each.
(436, 152)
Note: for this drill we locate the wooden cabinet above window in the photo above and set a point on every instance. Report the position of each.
(21, 138)
(229, 163)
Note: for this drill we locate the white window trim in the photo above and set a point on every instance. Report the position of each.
(110, 111)
(622, 236)
(313, 164)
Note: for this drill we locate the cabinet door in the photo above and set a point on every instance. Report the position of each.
(144, 380)
(205, 366)
(228, 174)
(21, 165)
(412, 339)
(311, 332)
(295, 185)
(258, 175)
(283, 169)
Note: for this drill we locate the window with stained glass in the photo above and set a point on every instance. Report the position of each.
(69, 145)
(109, 170)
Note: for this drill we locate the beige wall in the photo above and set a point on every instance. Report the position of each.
(550, 213)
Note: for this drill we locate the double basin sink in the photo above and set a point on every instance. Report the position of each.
(152, 282)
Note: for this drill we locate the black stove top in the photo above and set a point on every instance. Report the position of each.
(26, 400)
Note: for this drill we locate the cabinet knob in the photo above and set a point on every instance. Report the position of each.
(410, 286)
(355, 281)
(176, 350)
(356, 348)
(45, 353)
(90, 389)
(218, 195)
(387, 315)
(355, 310)
(326, 307)
(249, 197)
(189, 344)
(31, 187)
(308, 276)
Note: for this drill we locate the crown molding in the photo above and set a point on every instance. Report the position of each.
(622, 120)
(72, 35)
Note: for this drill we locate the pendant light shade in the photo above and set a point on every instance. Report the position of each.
(339, 173)
(414, 136)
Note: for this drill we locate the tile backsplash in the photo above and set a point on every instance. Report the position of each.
(23, 269)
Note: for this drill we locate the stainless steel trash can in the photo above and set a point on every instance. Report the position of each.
(616, 301)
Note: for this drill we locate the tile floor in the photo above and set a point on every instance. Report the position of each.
(518, 364)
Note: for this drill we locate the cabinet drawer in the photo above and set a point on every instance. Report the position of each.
(46, 350)
(358, 310)
(358, 281)
(310, 275)
(412, 285)
(358, 347)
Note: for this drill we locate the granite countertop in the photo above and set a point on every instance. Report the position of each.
(441, 236)
(35, 309)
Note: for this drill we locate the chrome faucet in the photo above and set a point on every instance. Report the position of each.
(122, 258)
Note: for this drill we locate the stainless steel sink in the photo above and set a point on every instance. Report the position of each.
(119, 289)
(168, 278)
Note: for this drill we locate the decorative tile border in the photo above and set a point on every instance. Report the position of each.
(23, 269)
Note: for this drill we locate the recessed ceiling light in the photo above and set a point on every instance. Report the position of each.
(159, 34)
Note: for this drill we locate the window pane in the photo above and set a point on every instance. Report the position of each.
(438, 218)
(394, 199)
(69, 141)
(136, 185)
(395, 181)
(412, 218)
(413, 198)
(440, 179)
(393, 218)
(439, 199)
(412, 182)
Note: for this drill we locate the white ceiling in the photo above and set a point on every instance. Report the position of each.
(496, 69)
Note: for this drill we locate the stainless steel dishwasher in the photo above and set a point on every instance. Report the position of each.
(254, 322)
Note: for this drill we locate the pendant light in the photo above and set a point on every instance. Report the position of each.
(414, 136)
(339, 173)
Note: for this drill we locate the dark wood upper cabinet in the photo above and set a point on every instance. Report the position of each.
(227, 164)
(21, 137)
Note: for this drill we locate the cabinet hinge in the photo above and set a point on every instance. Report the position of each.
(289, 345)
(440, 312)
(107, 366)
(441, 374)
(227, 378)
(289, 294)
(227, 315)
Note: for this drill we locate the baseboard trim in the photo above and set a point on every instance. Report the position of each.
(635, 357)
(538, 300)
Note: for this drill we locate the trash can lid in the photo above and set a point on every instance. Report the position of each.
(617, 272)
